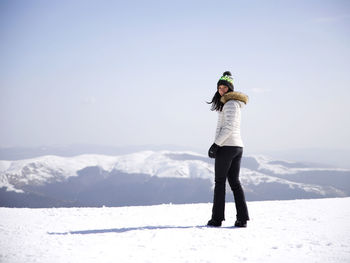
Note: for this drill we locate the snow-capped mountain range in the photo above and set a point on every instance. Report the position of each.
(154, 177)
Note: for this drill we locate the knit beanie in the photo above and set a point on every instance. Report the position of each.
(226, 80)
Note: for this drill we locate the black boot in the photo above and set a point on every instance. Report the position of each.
(240, 223)
(213, 222)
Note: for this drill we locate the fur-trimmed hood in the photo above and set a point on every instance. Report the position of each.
(234, 95)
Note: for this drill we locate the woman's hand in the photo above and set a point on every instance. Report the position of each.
(213, 150)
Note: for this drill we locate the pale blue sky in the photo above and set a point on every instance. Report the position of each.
(139, 72)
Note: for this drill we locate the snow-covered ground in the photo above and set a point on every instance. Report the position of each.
(316, 230)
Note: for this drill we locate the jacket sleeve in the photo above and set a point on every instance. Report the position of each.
(218, 126)
(230, 110)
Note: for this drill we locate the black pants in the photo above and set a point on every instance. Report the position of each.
(227, 165)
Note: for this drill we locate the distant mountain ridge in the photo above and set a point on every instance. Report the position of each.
(155, 177)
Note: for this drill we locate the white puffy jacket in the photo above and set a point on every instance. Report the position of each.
(228, 131)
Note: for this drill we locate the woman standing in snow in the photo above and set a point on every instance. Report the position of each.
(227, 150)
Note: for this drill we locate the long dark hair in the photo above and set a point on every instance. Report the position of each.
(216, 104)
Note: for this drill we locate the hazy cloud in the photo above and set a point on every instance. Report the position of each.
(261, 90)
(91, 100)
(331, 19)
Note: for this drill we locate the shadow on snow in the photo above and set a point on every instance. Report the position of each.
(127, 229)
